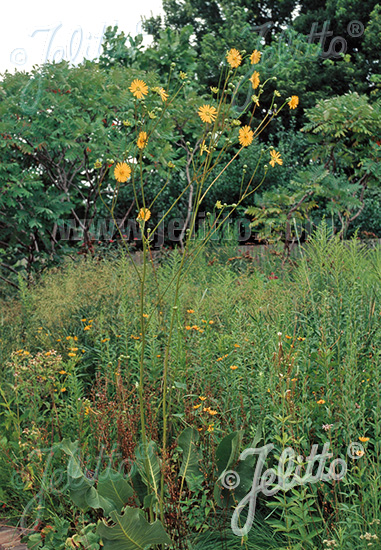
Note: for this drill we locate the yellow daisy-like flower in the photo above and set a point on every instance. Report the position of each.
(360, 453)
(234, 58)
(202, 398)
(62, 371)
(363, 439)
(254, 79)
(138, 88)
(63, 389)
(294, 102)
(275, 158)
(72, 354)
(237, 346)
(207, 113)
(190, 310)
(234, 367)
(197, 406)
(210, 428)
(183, 75)
(320, 402)
(214, 89)
(162, 93)
(245, 136)
(255, 57)
(87, 328)
(212, 412)
(144, 214)
(142, 140)
(122, 172)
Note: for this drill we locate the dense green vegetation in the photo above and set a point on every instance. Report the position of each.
(260, 354)
(145, 358)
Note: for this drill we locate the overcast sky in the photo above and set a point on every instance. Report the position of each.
(32, 32)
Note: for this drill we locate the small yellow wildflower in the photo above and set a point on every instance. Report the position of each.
(142, 140)
(210, 428)
(363, 439)
(63, 371)
(197, 406)
(212, 412)
(320, 402)
(245, 136)
(207, 113)
(237, 346)
(144, 214)
(138, 88)
(122, 172)
(234, 367)
(105, 340)
(360, 453)
(88, 327)
(63, 389)
(202, 398)
(72, 354)
(190, 310)
(187, 327)
(255, 57)
(183, 75)
(234, 58)
(214, 89)
(275, 158)
(294, 101)
(255, 80)
(211, 322)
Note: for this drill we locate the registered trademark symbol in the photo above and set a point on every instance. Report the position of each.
(355, 29)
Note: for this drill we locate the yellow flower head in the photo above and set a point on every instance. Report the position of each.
(142, 140)
(183, 75)
(360, 453)
(202, 398)
(122, 172)
(275, 158)
(234, 367)
(162, 93)
(363, 439)
(144, 215)
(138, 89)
(294, 101)
(255, 57)
(207, 113)
(210, 428)
(254, 79)
(197, 406)
(234, 58)
(320, 402)
(214, 89)
(190, 310)
(245, 136)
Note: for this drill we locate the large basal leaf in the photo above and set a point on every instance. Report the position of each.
(131, 532)
(149, 467)
(115, 489)
(227, 451)
(190, 465)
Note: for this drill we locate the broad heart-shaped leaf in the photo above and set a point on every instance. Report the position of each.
(149, 466)
(226, 454)
(115, 489)
(190, 466)
(228, 450)
(131, 532)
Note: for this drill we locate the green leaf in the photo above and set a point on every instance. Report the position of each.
(115, 489)
(190, 466)
(131, 531)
